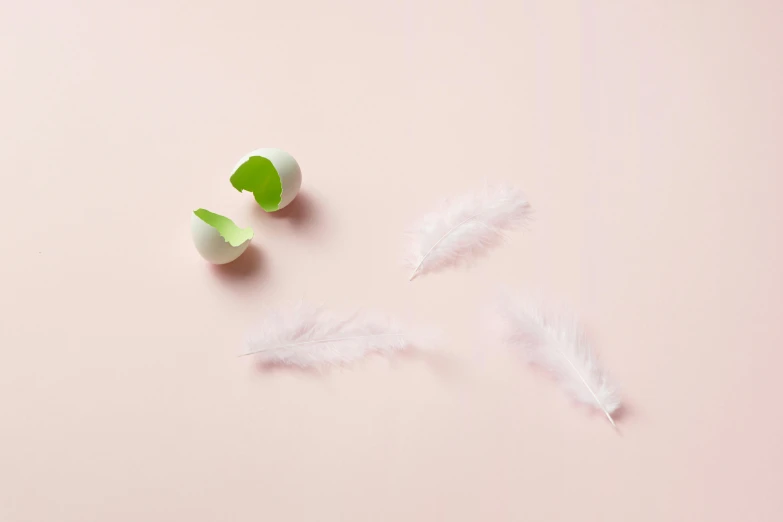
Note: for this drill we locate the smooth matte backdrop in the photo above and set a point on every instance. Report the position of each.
(647, 135)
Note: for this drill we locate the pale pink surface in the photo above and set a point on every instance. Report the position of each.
(648, 142)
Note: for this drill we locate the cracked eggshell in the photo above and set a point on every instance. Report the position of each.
(287, 169)
(213, 246)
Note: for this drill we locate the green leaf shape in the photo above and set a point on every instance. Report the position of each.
(225, 227)
(259, 176)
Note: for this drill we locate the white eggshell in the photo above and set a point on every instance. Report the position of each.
(287, 168)
(211, 245)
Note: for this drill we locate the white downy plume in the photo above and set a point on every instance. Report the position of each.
(558, 345)
(465, 228)
(306, 336)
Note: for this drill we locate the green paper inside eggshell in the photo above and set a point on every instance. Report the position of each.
(259, 176)
(227, 229)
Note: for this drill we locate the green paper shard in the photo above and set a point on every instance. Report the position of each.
(225, 227)
(259, 176)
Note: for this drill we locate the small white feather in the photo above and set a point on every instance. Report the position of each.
(465, 228)
(306, 336)
(558, 345)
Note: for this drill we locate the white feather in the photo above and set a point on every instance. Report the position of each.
(465, 228)
(306, 336)
(558, 345)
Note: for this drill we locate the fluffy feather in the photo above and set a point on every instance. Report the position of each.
(558, 345)
(465, 228)
(306, 336)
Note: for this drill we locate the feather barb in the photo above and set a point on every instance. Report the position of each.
(306, 336)
(558, 345)
(465, 229)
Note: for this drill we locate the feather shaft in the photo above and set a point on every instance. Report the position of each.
(589, 388)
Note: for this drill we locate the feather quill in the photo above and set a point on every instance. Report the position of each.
(465, 228)
(306, 336)
(558, 345)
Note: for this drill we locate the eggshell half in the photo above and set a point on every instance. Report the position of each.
(287, 168)
(211, 245)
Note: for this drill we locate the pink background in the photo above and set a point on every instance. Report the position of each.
(647, 137)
